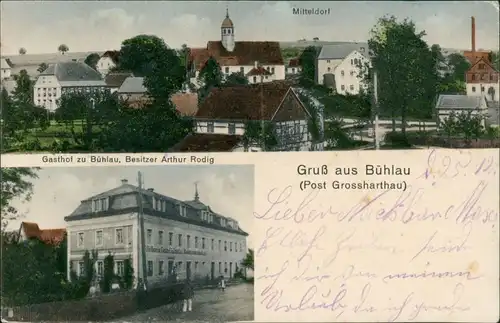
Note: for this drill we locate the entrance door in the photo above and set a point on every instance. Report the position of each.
(188, 269)
(230, 270)
(212, 270)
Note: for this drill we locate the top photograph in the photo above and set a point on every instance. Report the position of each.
(95, 77)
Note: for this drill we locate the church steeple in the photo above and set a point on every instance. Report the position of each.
(196, 195)
(227, 33)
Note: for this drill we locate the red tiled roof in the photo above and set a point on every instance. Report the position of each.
(243, 102)
(113, 54)
(244, 53)
(294, 62)
(185, 103)
(52, 236)
(207, 143)
(258, 71)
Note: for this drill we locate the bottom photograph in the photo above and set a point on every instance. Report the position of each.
(128, 244)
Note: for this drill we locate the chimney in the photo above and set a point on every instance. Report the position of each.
(151, 189)
(256, 64)
(473, 34)
(124, 181)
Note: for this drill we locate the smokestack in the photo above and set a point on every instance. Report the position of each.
(473, 34)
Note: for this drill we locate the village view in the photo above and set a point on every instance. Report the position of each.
(236, 95)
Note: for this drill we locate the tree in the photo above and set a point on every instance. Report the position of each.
(449, 125)
(92, 59)
(248, 261)
(84, 113)
(210, 76)
(22, 51)
(405, 68)
(109, 273)
(42, 67)
(495, 59)
(335, 136)
(128, 274)
(307, 61)
(16, 185)
(63, 48)
(493, 133)
(470, 125)
(254, 135)
(184, 55)
(491, 93)
(235, 79)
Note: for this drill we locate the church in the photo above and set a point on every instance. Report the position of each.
(259, 61)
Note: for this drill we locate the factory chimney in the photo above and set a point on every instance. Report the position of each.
(473, 34)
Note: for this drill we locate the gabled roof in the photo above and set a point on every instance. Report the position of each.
(341, 51)
(4, 63)
(133, 84)
(113, 54)
(244, 53)
(258, 71)
(72, 71)
(294, 62)
(116, 79)
(244, 102)
(464, 102)
(50, 236)
(482, 60)
(207, 143)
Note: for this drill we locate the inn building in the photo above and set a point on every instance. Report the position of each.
(187, 238)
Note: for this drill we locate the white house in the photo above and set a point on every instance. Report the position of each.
(222, 117)
(107, 61)
(6, 69)
(260, 75)
(293, 67)
(457, 104)
(347, 75)
(332, 56)
(237, 56)
(65, 77)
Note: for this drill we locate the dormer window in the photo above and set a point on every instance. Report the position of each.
(204, 215)
(99, 205)
(182, 210)
(223, 222)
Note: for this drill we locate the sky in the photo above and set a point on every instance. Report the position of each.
(100, 25)
(57, 192)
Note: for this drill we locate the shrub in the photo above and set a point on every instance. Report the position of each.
(109, 273)
(397, 139)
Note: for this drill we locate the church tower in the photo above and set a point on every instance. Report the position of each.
(227, 33)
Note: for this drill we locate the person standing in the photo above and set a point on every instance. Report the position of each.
(188, 292)
(222, 283)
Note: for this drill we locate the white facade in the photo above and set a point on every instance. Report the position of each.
(199, 250)
(46, 91)
(347, 74)
(5, 68)
(256, 79)
(278, 72)
(326, 66)
(104, 65)
(293, 70)
(482, 89)
(220, 127)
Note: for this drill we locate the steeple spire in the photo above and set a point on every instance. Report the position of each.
(227, 11)
(196, 195)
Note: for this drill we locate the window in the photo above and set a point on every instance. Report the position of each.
(81, 239)
(351, 87)
(255, 79)
(120, 268)
(356, 61)
(230, 246)
(100, 268)
(188, 241)
(182, 210)
(220, 245)
(272, 70)
(210, 127)
(196, 242)
(150, 268)
(220, 267)
(179, 266)
(473, 89)
(328, 69)
(195, 266)
(170, 239)
(119, 236)
(481, 66)
(212, 244)
(149, 236)
(223, 222)
(202, 243)
(342, 87)
(179, 242)
(342, 73)
(225, 267)
(225, 245)
(160, 238)
(473, 77)
(158, 205)
(482, 88)
(242, 70)
(231, 128)
(241, 247)
(328, 61)
(98, 238)
(352, 62)
(227, 70)
(296, 128)
(161, 267)
(352, 73)
(293, 70)
(100, 205)
(81, 268)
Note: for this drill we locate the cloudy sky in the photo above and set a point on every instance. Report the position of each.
(99, 25)
(58, 190)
